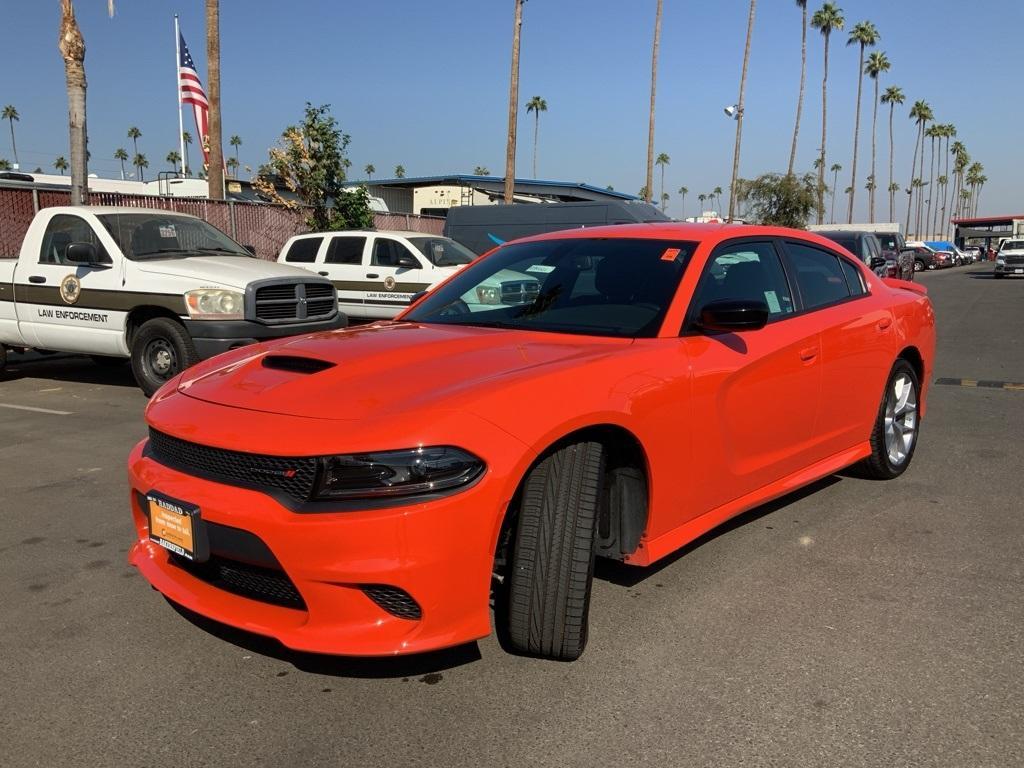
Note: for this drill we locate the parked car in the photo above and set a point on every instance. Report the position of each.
(958, 256)
(867, 247)
(928, 258)
(161, 289)
(376, 273)
(356, 492)
(1010, 259)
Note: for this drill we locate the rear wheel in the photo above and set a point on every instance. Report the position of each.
(918, 265)
(894, 437)
(552, 565)
(160, 351)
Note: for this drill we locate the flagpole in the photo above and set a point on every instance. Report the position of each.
(177, 83)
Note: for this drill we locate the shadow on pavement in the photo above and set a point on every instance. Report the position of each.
(982, 274)
(70, 368)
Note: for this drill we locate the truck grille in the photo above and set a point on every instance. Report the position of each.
(519, 291)
(1017, 258)
(291, 302)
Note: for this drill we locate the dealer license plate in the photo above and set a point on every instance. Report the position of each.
(176, 526)
(1018, 271)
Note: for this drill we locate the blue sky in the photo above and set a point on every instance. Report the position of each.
(426, 84)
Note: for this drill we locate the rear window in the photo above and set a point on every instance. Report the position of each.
(304, 250)
(818, 275)
(345, 250)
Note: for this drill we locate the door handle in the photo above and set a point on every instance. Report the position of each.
(884, 323)
(373, 275)
(808, 354)
(36, 279)
(322, 274)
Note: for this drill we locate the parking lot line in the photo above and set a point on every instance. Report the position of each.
(35, 410)
(982, 383)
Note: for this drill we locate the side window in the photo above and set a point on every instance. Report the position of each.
(303, 250)
(62, 231)
(745, 271)
(387, 252)
(818, 275)
(866, 250)
(854, 281)
(345, 250)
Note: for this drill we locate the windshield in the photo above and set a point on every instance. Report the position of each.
(889, 242)
(155, 235)
(442, 252)
(1013, 245)
(606, 287)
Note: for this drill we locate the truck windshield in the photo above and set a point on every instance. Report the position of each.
(1013, 245)
(154, 235)
(608, 287)
(442, 252)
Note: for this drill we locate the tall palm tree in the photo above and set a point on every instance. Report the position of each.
(960, 161)
(893, 95)
(739, 114)
(173, 157)
(232, 164)
(399, 171)
(215, 153)
(803, 81)
(949, 132)
(60, 164)
(135, 134)
(513, 104)
(918, 113)
(662, 161)
(186, 140)
(682, 204)
(933, 132)
(649, 185)
(981, 179)
(878, 63)
(826, 19)
(121, 154)
(236, 141)
(836, 168)
(536, 105)
(863, 34)
(974, 173)
(11, 115)
(717, 192)
(369, 170)
(140, 162)
(72, 50)
(702, 197)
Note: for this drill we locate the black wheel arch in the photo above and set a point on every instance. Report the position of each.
(140, 315)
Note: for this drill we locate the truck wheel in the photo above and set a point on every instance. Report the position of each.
(552, 564)
(161, 350)
(894, 436)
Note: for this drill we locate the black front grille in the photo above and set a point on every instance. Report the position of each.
(1015, 258)
(395, 601)
(294, 476)
(519, 291)
(264, 584)
(291, 302)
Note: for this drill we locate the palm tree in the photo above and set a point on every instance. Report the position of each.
(236, 141)
(836, 168)
(536, 105)
(878, 63)
(399, 171)
(662, 161)
(649, 185)
(11, 115)
(186, 139)
(739, 114)
(135, 134)
(893, 95)
(369, 170)
(960, 161)
(918, 113)
(717, 192)
(933, 132)
(232, 164)
(481, 170)
(513, 104)
(863, 34)
(5, 165)
(173, 157)
(664, 200)
(60, 164)
(215, 152)
(826, 19)
(140, 162)
(682, 205)
(948, 132)
(803, 80)
(981, 179)
(121, 154)
(702, 197)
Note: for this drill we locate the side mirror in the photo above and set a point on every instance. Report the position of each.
(250, 248)
(733, 315)
(84, 253)
(877, 262)
(407, 262)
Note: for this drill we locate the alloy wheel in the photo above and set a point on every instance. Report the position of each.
(900, 419)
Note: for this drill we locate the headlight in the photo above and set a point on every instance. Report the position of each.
(214, 304)
(1001, 261)
(395, 473)
(488, 295)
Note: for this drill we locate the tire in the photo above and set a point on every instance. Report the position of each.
(918, 265)
(105, 361)
(160, 351)
(3, 357)
(552, 565)
(997, 275)
(892, 450)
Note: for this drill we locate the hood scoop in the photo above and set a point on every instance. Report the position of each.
(296, 364)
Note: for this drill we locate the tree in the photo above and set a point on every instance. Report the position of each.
(72, 50)
(135, 134)
(642, 194)
(513, 104)
(186, 139)
(836, 168)
(826, 19)
(232, 164)
(649, 183)
(780, 200)
(803, 80)
(893, 95)
(309, 161)
(173, 157)
(949, 132)
(536, 105)
(61, 164)
(664, 200)
(236, 141)
(121, 155)
(701, 197)
(739, 115)
(215, 152)
(399, 171)
(140, 162)
(717, 192)
(878, 63)
(960, 162)
(5, 164)
(682, 204)
(11, 115)
(481, 170)
(933, 132)
(863, 34)
(920, 113)
(662, 161)
(369, 170)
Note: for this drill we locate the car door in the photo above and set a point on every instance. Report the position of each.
(344, 263)
(70, 307)
(754, 393)
(856, 343)
(395, 273)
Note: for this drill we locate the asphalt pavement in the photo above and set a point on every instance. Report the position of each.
(855, 623)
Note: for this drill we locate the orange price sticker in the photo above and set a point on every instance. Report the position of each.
(670, 254)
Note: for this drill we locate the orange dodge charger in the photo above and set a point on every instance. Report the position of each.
(610, 392)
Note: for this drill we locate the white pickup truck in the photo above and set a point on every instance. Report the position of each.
(163, 289)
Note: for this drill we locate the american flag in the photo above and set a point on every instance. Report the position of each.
(192, 93)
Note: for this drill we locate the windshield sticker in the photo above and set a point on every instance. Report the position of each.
(167, 230)
(670, 254)
(540, 268)
(772, 301)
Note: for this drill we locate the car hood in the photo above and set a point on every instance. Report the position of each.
(384, 369)
(220, 271)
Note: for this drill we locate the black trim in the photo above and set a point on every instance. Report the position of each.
(211, 337)
(806, 310)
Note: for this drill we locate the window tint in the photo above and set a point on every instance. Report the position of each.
(818, 275)
(747, 271)
(304, 250)
(345, 250)
(387, 252)
(61, 232)
(854, 281)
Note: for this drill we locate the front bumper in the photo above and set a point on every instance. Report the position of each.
(1009, 269)
(211, 337)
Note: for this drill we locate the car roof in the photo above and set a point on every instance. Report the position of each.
(365, 232)
(109, 209)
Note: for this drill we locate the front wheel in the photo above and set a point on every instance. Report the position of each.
(552, 564)
(160, 351)
(894, 436)
(918, 265)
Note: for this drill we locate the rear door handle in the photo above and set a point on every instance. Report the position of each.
(808, 354)
(322, 274)
(884, 323)
(373, 275)
(36, 279)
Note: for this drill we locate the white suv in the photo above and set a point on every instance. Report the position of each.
(1010, 259)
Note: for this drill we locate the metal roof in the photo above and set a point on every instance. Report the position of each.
(988, 219)
(521, 185)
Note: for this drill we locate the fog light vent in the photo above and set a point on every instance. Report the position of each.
(395, 601)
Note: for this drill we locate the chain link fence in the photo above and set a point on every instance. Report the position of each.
(264, 226)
